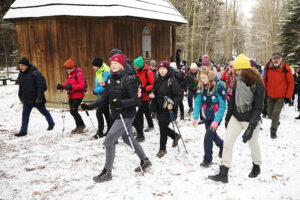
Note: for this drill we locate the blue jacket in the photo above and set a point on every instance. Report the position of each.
(101, 75)
(212, 105)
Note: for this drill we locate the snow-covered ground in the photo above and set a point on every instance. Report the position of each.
(52, 165)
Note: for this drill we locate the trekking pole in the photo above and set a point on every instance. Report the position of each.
(121, 117)
(63, 113)
(179, 132)
(88, 114)
(173, 128)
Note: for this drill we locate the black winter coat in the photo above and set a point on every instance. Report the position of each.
(125, 91)
(179, 75)
(252, 116)
(165, 86)
(31, 86)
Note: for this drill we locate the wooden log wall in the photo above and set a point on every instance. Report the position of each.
(48, 42)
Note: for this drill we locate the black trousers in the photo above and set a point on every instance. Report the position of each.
(74, 104)
(103, 109)
(165, 131)
(144, 108)
(138, 127)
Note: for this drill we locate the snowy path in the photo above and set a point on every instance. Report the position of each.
(49, 165)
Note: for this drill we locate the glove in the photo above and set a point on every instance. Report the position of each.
(85, 106)
(248, 133)
(226, 123)
(38, 101)
(59, 87)
(21, 101)
(287, 100)
(68, 87)
(117, 104)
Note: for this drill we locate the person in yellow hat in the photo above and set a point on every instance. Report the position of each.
(243, 113)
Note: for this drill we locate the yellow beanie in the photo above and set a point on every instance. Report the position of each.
(242, 62)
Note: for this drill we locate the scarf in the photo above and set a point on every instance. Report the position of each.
(243, 96)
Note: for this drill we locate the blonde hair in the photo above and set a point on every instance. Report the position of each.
(211, 79)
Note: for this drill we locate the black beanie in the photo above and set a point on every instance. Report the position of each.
(98, 62)
(24, 61)
(114, 52)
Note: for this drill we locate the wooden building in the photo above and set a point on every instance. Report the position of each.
(50, 31)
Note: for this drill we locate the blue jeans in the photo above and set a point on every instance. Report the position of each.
(191, 96)
(26, 114)
(209, 138)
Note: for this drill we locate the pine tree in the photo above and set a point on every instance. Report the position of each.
(291, 33)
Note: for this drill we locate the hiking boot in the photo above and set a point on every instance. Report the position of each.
(50, 127)
(103, 177)
(220, 152)
(161, 153)
(78, 129)
(149, 128)
(190, 110)
(221, 176)
(182, 116)
(205, 163)
(255, 171)
(273, 134)
(140, 138)
(144, 165)
(175, 140)
(20, 134)
(98, 135)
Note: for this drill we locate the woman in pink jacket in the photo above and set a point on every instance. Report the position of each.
(76, 87)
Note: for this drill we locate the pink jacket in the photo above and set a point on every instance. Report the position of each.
(76, 79)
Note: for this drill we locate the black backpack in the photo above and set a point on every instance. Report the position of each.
(44, 83)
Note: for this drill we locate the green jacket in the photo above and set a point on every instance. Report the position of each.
(191, 83)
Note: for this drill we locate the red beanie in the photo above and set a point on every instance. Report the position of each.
(69, 63)
(164, 64)
(120, 58)
(252, 63)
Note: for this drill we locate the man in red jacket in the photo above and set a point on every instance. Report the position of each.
(147, 80)
(279, 84)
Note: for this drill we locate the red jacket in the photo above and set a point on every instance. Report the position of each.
(278, 84)
(147, 83)
(76, 79)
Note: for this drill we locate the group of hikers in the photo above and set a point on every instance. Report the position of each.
(237, 95)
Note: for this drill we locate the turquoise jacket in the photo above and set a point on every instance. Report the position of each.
(212, 105)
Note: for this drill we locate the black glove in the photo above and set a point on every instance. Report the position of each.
(117, 104)
(287, 100)
(85, 106)
(226, 123)
(143, 89)
(38, 100)
(68, 87)
(248, 133)
(59, 87)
